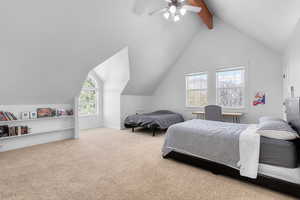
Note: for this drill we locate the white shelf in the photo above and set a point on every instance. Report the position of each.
(37, 133)
(37, 119)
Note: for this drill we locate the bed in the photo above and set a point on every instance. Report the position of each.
(235, 147)
(161, 119)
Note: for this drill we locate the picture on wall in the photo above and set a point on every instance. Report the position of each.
(259, 99)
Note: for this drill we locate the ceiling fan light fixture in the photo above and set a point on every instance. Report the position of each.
(173, 9)
(182, 11)
(176, 18)
(167, 15)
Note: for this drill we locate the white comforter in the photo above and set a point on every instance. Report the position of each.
(249, 146)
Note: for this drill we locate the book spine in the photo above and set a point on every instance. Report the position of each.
(9, 116)
(6, 116)
(19, 130)
(2, 117)
(13, 116)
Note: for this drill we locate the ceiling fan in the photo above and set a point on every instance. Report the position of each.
(175, 9)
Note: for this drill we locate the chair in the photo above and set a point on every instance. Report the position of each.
(213, 112)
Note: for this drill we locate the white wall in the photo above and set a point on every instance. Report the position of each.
(94, 121)
(115, 74)
(225, 47)
(292, 63)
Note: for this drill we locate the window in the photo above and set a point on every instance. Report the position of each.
(88, 100)
(196, 90)
(231, 87)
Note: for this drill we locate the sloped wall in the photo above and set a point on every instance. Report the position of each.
(292, 64)
(224, 47)
(48, 47)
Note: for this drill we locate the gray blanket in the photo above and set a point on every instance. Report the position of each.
(162, 119)
(211, 140)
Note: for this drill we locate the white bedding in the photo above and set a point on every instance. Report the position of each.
(249, 145)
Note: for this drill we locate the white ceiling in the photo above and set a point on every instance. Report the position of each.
(269, 21)
(49, 46)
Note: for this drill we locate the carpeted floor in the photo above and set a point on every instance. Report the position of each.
(109, 164)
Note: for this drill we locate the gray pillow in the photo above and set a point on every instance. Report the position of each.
(277, 130)
(268, 118)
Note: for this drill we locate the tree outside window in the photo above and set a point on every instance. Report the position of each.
(88, 99)
(231, 88)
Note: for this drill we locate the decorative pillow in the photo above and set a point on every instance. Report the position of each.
(268, 118)
(277, 130)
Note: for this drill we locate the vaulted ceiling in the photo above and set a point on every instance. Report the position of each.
(269, 21)
(49, 46)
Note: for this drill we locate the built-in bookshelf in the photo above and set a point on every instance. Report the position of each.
(40, 130)
(36, 133)
(37, 119)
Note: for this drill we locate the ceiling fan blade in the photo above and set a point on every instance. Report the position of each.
(195, 9)
(155, 12)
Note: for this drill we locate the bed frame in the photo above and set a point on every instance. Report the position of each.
(154, 129)
(219, 169)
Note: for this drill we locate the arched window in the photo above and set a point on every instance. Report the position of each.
(88, 100)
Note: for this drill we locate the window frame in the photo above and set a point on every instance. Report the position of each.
(244, 88)
(186, 88)
(96, 89)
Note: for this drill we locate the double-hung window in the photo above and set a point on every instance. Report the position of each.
(88, 100)
(231, 87)
(196, 89)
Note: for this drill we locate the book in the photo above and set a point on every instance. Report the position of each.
(7, 116)
(19, 130)
(13, 116)
(2, 117)
(4, 131)
(11, 131)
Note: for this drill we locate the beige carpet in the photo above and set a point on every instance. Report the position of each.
(110, 164)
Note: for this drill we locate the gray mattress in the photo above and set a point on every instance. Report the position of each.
(161, 119)
(279, 152)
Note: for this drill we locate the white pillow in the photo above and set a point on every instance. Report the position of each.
(277, 130)
(268, 118)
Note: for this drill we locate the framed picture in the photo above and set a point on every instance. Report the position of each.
(33, 115)
(259, 99)
(45, 112)
(25, 115)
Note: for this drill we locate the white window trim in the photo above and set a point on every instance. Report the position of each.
(186, 89)
(224, 69)
(96, 89)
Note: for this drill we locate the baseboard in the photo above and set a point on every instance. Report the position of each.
(31, 140)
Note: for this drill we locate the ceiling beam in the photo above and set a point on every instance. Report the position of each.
(205, 14)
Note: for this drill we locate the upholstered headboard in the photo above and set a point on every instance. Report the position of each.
(292, 106)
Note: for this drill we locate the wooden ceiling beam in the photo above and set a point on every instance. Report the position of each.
(205, 14)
